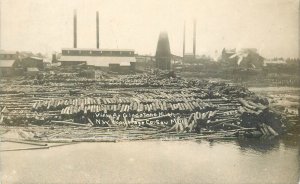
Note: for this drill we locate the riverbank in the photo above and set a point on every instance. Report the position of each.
(285, 100)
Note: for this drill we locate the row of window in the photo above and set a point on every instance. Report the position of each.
(97, 53)
(7, 56)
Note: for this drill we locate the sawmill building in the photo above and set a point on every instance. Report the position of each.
(97, 57)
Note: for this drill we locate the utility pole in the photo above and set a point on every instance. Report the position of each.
(97, 28)
(183, 46)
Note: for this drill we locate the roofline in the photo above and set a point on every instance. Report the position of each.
(93, 49)
(8, 52)
(34, 57)
(10, 62)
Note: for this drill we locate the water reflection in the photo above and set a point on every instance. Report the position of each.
(267, 143)
(277, 146)
(263, 144)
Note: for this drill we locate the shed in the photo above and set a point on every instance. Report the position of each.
(7, 67)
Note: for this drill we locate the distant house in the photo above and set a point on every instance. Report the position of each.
(8, 55)
(32, 62)
(7, 67)
(176, 59)
(293, 62)
(144, 58)
(227, 55)
(190, 58)
(272, 62)
(244, 58)
(9, 62)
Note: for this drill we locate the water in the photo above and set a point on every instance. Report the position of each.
(234, 161)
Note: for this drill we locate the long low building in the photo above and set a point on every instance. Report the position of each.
(97, 57)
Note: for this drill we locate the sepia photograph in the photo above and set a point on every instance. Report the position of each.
(149, 91)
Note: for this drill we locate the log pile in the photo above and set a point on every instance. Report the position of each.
(139, 101)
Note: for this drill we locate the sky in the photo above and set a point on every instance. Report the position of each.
(46, 26)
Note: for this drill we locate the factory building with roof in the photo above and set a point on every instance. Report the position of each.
(97, 57)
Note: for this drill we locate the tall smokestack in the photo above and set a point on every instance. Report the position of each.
(75, 29)
(194, 38)
(163, 52)
(299, 33)
(97, 28)
(0, 25)
(183, 46)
